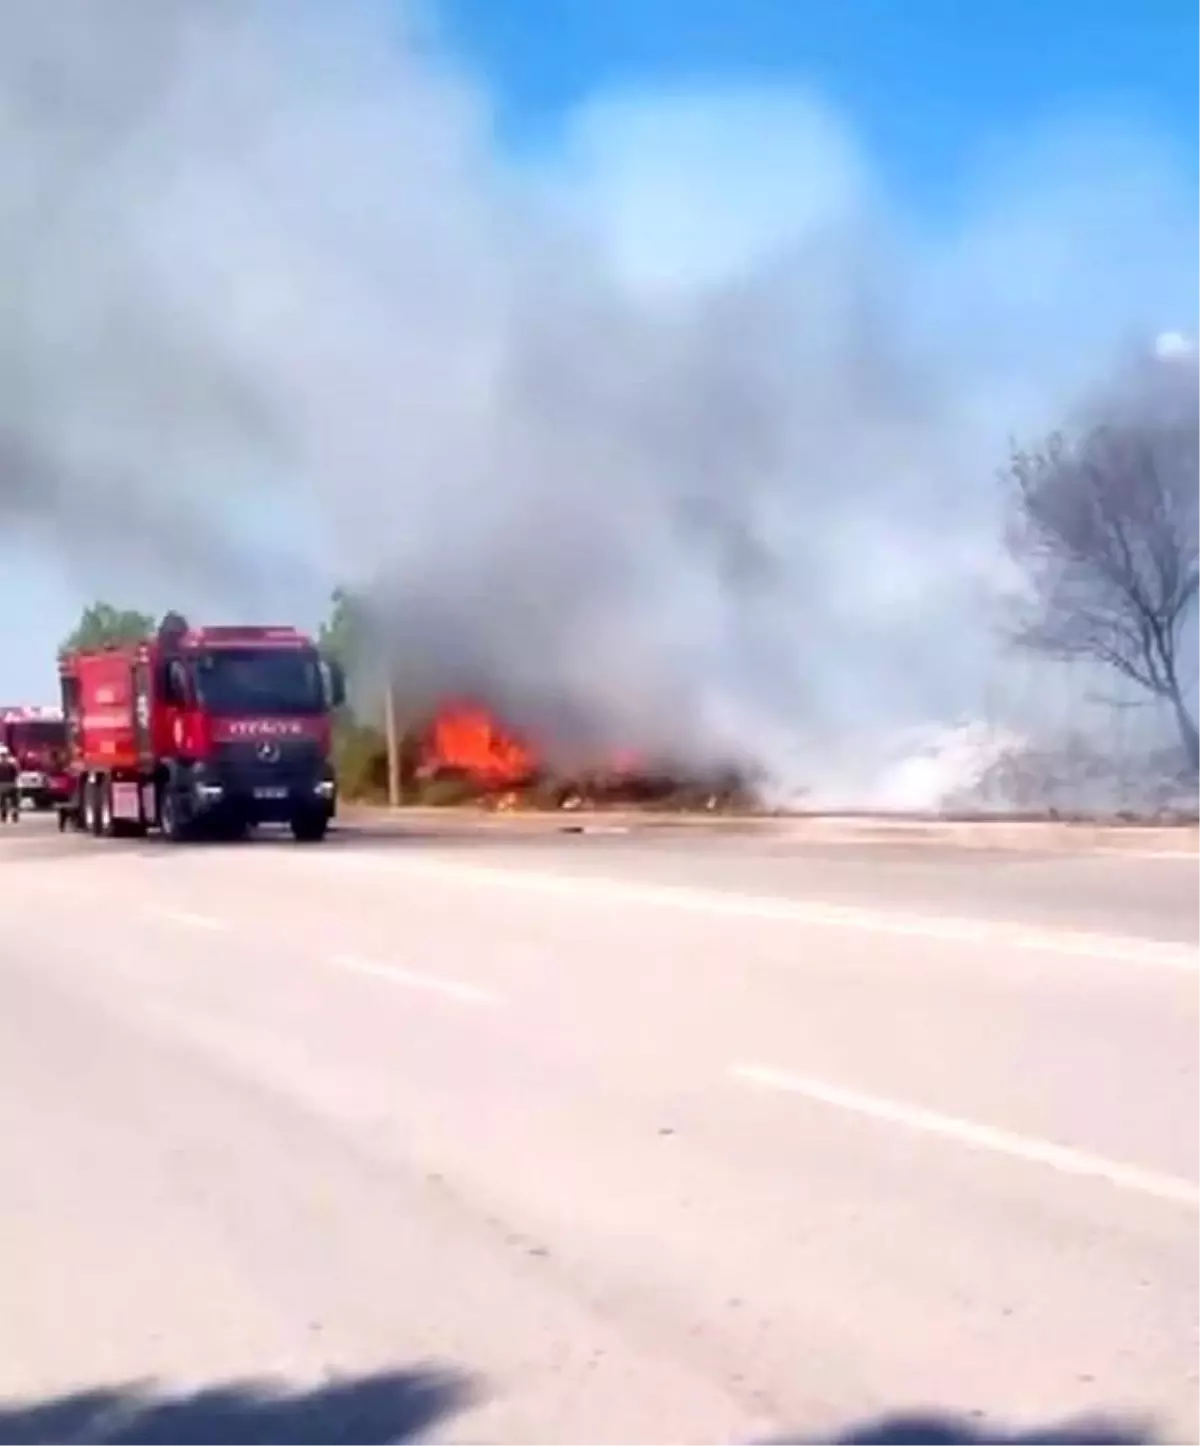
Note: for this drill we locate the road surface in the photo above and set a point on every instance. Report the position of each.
(592, 1138)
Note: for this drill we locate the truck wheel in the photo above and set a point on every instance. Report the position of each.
(91, 805)
(310, 828)
(105, 825)
(170, 819)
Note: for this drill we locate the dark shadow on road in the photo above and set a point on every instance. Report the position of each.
(391, 1406)
(943, 1428)
(402, 1406)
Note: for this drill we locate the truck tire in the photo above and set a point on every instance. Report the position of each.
(105, 827)
(170, 820)
(310, 827)
(91, 805)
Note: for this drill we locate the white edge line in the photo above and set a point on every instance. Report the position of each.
(946, 928)
(1171, 1188)
(431, 983)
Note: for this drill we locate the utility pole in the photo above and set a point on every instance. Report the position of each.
(393, 743)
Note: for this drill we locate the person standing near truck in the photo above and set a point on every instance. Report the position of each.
(10, 798)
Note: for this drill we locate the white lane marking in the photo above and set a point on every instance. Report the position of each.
(190, 920)
(1178, 856)
(1066, 1161)
(719, 902)
(431, 983)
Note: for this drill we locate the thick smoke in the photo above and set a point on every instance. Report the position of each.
(275, 315)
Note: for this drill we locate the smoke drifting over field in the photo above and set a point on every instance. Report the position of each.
(277, 313)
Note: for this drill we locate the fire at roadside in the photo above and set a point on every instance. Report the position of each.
(465, 754)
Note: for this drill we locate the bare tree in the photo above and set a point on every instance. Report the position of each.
(1105, 528)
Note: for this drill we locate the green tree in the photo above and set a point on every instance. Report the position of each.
(340, 635)
(360, 750)
(102, 624)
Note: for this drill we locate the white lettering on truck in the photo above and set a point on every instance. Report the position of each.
(264, 728)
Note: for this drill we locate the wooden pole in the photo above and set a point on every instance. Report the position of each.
(393, 744)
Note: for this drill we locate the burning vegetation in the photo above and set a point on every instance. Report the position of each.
(466, 753)
(464, 739)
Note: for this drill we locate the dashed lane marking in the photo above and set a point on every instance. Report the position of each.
(455, 989)
(190, 920)
(1169, 1188)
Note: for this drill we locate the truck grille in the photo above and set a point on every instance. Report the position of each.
(252, 765)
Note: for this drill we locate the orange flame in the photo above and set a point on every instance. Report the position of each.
(467, 739)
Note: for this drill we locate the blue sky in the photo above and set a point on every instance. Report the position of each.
(929, 83)
(677, 119)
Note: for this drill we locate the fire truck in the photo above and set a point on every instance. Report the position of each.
(201, 732)
(36, 737)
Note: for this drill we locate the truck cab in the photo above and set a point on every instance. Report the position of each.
(245, 722)
(37, 739)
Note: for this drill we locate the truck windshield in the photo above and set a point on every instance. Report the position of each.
(235, 681)
(42, 735)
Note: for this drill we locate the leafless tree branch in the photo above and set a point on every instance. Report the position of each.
(1105, 526)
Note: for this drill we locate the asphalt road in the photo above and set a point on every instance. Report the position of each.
(596, 1138)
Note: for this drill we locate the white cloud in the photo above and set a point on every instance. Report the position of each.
(1173, 344)
(691, 185)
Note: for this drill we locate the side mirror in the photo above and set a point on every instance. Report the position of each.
(337, 684)
(172, 683)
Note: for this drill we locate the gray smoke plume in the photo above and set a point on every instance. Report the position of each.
(275, 315)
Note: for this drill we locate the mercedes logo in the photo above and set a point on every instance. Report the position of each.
(268, 752)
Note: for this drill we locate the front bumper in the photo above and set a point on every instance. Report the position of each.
(238, 787)
(264, 802)
(34, 786)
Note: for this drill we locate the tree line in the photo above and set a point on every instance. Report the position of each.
(1103, 525)
(102, 624)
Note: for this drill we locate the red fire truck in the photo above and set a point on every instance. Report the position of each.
(201, 731)
(37, 737)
